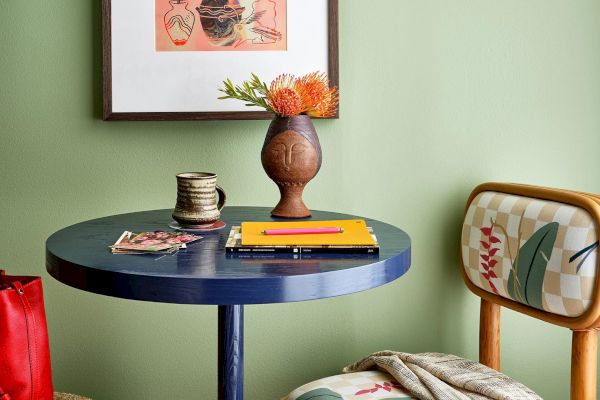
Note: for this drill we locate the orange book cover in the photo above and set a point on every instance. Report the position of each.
(355, 233)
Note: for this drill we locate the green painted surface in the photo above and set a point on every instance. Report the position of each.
(437, 96)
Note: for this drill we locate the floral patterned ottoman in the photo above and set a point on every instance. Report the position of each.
(366, 385)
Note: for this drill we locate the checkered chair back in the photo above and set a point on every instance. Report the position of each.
(528, 248)
(534, 250)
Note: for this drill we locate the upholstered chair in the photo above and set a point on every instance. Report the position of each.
(531, 249)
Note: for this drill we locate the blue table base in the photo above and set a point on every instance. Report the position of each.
(231, 352)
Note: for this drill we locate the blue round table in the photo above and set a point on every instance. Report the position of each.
(205, 274)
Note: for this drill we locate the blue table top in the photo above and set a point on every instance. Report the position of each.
(205, 274)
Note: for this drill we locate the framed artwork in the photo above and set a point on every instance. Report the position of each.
(166, 59)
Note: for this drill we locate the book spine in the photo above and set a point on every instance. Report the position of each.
(264, 250)
(263, 256)
(303, 250)
(330, 250)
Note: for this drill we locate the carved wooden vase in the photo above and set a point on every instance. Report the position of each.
(291, 156)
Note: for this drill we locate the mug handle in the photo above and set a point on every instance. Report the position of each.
(222, 197)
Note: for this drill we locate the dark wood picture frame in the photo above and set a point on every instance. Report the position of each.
(110, 115)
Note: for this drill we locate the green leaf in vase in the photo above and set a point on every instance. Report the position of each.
(531, 264)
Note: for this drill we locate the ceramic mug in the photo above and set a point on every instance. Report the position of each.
(199, 199)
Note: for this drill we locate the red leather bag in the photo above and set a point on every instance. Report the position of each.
(3, 396)
(25, 372)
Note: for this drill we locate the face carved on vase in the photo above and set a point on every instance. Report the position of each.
(290, 157)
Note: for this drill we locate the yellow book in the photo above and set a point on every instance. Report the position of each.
(355, 233)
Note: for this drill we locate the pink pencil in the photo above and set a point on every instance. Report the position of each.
(302, 231)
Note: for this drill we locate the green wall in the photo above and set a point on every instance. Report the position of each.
(437, 96)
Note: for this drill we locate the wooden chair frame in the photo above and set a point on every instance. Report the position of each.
(584, 350)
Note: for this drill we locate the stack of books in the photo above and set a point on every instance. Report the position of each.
(303, 237)
(158, 242)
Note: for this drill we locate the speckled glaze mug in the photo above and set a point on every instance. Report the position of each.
(199, 199)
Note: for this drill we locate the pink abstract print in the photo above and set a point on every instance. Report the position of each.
(221, 25)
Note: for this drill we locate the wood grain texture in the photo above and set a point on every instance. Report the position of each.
(584, 357)
(110, 115)
(186, 116)
(291, 156)
(205, 274)
(231, 352)
(106, 60)
(584, 365)
(333, 38)
(489, 334)
(589, 202)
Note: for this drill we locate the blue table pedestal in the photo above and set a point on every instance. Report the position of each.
(231, 352)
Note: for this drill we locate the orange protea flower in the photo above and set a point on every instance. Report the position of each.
(283, 97)
(319, 99)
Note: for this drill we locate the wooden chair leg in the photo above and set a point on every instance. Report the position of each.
(584, 363)
(489, 334)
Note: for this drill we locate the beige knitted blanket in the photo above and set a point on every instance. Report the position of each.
(436, 376)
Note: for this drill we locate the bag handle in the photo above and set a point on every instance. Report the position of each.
(3, 395)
